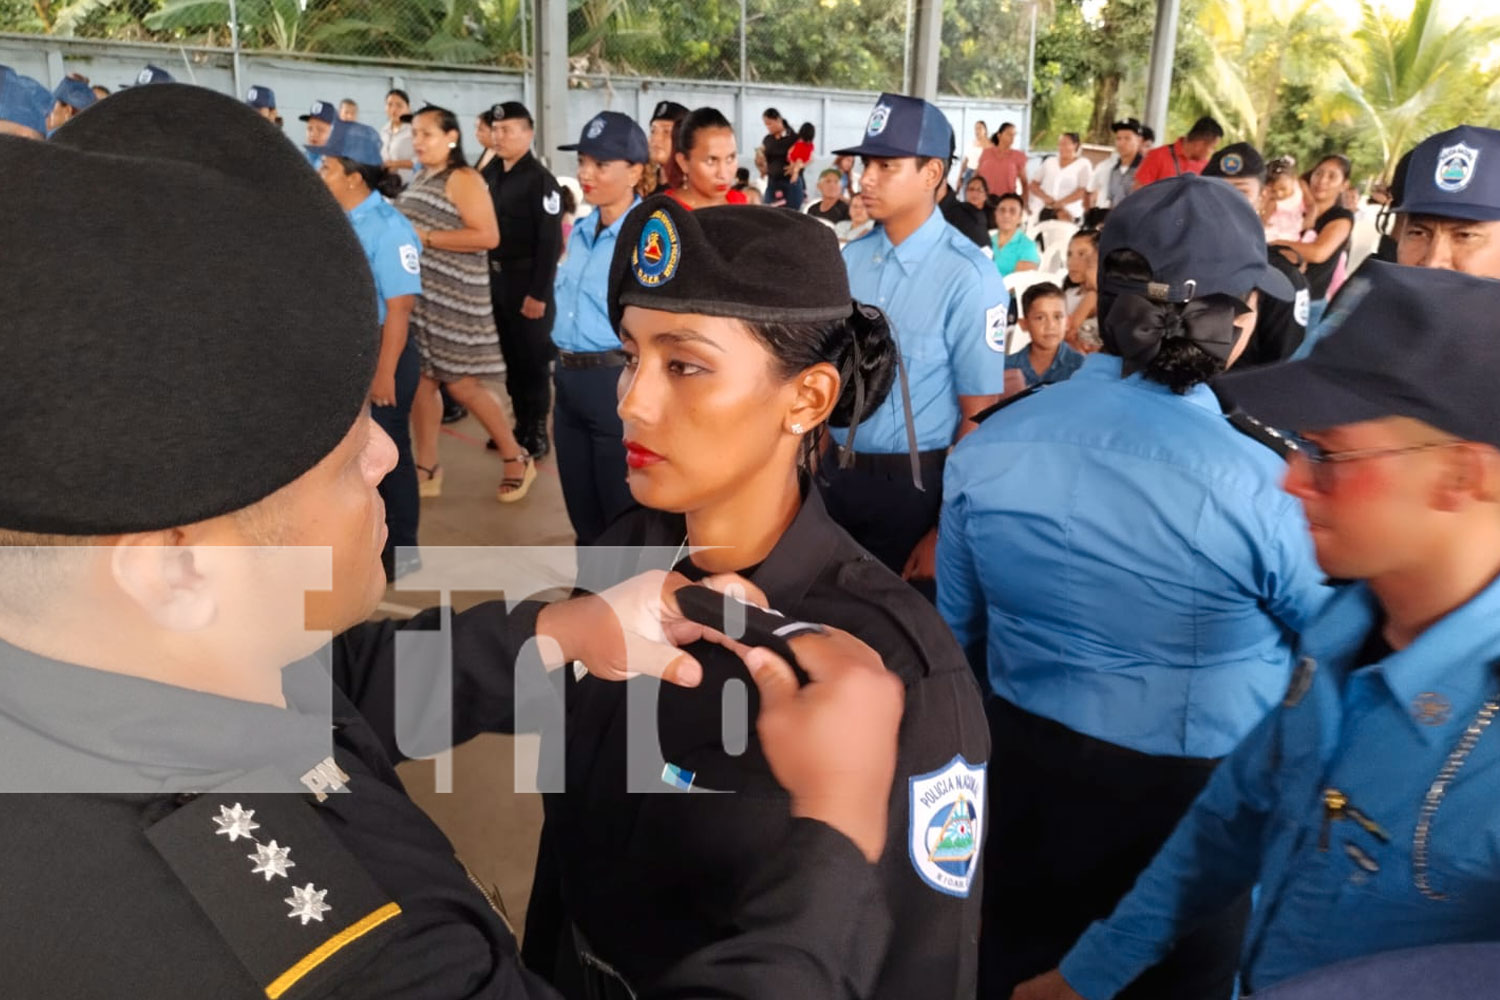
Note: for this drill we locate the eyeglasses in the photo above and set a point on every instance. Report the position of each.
(1323, 464)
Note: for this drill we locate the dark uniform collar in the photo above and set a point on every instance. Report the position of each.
(525, 159)
(80, 727)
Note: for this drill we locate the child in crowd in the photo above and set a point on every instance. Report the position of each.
(743, 186)
(830, 206)
(1284, 201)
(797, 159)
(1080, 290)
(1047, 359)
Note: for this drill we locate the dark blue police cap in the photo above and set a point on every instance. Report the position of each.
(351, 141)
(75, 94)
(261, 97)
(1455, 175)
(1397, 342)
(1237, 161)
(323, 111)
(1199, 235)
(610, 135)
(23, 101)
(152, 74)
(904, 126)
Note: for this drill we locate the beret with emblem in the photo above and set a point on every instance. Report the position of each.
(213, 353)
(744, 261)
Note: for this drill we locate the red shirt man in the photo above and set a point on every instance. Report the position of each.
(1188, 155)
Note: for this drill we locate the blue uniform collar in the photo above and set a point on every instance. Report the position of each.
(915, 248)
(367, 206)
(588, 226)
(1107, 367)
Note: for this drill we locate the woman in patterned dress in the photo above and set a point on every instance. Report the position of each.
(453, 322)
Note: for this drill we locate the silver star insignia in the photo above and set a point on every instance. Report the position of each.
(236, 823)
(271, 860)
(307, 903)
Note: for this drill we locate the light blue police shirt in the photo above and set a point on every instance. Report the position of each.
(391, 246)
(582, 286)
(1378, 733)
(947, 307)
(312, 158)
(1121, 560)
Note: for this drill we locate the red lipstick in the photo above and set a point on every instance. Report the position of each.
(638, 456)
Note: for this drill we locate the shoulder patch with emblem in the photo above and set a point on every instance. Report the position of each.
(994, 327)
(944, 832)
(411, 259)
(552, 203)
(288, 899)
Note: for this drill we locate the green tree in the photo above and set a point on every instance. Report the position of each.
(984, 47)
(1410, 77)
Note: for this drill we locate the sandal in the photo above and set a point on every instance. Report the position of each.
(513, 488)
(432, 486)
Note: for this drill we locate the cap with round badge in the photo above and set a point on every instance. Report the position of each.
(1456, 175)
(901, 126)
(610, 135)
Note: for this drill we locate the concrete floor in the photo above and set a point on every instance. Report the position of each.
(493, 828)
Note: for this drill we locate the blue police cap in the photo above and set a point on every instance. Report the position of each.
(904, 126)
(1200, 237)
(323, 111)
(609, 135)
(261, 97)
(24, 101)
(1397, 342)
(352, 141)
(1456, 175)
(75, 94)
(152, 74)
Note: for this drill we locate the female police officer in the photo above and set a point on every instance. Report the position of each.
(743, 344)
(353, 170)
(1122, 567)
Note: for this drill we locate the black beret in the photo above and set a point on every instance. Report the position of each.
(189, 321)
(751, 262)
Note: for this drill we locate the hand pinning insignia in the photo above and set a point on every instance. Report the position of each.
(271, 860)
(236, 823)
(307, 903)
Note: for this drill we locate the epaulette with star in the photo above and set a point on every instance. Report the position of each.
(287, 897)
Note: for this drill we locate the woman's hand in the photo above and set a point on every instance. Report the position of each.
(383, 389)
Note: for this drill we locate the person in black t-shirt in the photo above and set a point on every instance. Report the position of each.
(830, 207)
(776, 145)
(1334, 224)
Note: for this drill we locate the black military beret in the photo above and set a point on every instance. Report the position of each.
(747, 261)
(189, 321)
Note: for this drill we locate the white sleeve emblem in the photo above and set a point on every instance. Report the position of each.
(552, 204)
(410, 259)
(994, 327)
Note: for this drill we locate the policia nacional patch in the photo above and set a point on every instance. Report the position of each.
(285, 895)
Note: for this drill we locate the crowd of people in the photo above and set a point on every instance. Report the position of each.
(1117, 560)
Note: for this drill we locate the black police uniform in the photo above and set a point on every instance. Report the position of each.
(965, 218)
(528, 207)
(648, 878)
(187, 894)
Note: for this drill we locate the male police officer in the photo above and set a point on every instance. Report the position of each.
(528, 206)
(1279, 325)
(263, 100)
(947, 307)
(152, 681)
(1124, 572)
(319, 118)
(73, 95)
(1449, 212)
(1367, 805)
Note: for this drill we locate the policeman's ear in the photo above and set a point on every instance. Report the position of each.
(1470, 472)
(817, 393)
(160, 572)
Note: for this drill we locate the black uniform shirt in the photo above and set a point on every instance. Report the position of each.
(651, 877)
(528, 207)
(146, 895)
(965, 218)
(777, 148)
(1279, 326)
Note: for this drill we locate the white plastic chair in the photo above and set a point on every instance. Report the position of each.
(1053, 237)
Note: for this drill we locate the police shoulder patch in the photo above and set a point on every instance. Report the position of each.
(552, 203)
(658, 251)
(411, 259)
(994, 327)
(944, 832)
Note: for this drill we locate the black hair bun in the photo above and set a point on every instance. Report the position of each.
(867, 367)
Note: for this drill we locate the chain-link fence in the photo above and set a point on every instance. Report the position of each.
(836, 44)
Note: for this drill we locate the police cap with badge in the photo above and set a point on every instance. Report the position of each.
(1235, 161)
(75, 93)
(261, 98)
(609, 136)
(507, 111)
(150, 74)
(1204, 248)
(745, 262)
(902, 126)
(1397, 342)
(323, 111)
(1455, 175)
(669, 111)
(352, 141)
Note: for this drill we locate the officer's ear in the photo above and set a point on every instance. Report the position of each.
(160, 572)
(1471, 471)
(817, 391)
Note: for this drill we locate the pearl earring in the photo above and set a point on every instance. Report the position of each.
(796, 428)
